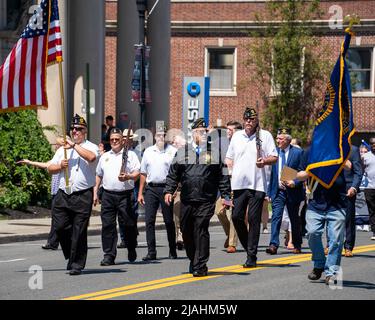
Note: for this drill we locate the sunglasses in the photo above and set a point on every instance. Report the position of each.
(77, 128)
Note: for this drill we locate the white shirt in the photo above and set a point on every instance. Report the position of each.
(109, 167)
(242, 150)
(155, 163)
(369, 169)
(81, 172)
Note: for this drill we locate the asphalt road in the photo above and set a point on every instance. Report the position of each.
(283, 276)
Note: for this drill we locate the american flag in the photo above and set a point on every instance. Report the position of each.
(23, 74)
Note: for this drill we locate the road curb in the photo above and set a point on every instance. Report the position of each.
(90, 232)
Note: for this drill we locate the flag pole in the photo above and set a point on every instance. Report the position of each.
(63, 120)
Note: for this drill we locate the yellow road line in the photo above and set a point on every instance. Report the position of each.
(187, 278)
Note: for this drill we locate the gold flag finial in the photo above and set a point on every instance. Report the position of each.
(352, 19)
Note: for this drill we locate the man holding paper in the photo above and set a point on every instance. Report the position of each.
(285, 190)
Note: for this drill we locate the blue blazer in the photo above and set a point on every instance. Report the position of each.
(353, 177)
(295, 194)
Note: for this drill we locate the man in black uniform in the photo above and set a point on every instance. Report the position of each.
(201, 177)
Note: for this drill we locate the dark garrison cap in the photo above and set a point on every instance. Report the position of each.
(250, 113)
(115, 131)
(78, 120)
(284, 130)
(199, 123)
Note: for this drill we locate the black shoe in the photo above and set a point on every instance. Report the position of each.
(47, 246)
(315, 274)
(75, 272)
(250, 264)
(121, 245)
(149, 257)
(132, 255)
(173, 255)
(200, 273)
(68, 267)
(180, 245)
(107, 262)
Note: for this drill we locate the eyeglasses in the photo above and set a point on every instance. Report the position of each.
(77, 128)
(114, 140)
(249, 119)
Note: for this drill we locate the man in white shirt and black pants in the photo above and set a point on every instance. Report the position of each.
(154, 170)
(73, 201)
(118, 197)
(249, 183)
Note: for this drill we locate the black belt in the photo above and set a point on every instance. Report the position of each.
(153, 184)
(120, 193)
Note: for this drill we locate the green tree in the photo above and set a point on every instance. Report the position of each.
(292, 72)
(21, 136)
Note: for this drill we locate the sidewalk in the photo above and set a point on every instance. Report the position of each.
(38, 229)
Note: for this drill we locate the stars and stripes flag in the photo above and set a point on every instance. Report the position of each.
(23, 74)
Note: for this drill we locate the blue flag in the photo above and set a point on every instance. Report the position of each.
(331, 141)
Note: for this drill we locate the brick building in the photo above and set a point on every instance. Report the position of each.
(219, 30)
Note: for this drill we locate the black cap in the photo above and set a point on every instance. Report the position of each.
(284, 130)
(78, 120)
(115, 131)
(250, 113)
(199, 123)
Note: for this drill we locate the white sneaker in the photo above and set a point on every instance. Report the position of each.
(360, 228)
(373, 236)
(265, 230)
(366, 228)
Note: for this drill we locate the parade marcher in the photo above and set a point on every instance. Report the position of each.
(353, 177)
(154, 169)
(121, 227)
(52, 241)
(109, 121)
(73, 201)
(287, 194)
(369, 170)
(201, 178)
(224, 215)
(326, 207)
(117, 170)
(249, 151)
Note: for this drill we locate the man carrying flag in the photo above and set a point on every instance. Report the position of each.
(23, 74)
(323, 163)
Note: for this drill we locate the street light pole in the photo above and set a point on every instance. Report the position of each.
(141, 7)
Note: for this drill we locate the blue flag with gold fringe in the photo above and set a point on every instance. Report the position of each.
(331, 141)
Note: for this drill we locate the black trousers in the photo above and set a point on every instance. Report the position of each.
(53, 239)
(71, 219)
(117, 204)
(370, 200)
(253, 201)
(195, 220)
(350, 223)
(153, 198)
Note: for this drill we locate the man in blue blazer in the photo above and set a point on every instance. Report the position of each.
(285, 193)
(353, 177)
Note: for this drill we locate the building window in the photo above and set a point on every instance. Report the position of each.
(221, 67)
(360, 62)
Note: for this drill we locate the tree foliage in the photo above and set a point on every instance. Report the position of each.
(292, 72)
(21, 136)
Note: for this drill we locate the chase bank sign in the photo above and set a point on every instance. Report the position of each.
(195, 102)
